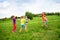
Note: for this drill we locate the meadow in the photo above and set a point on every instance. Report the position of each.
(35, 31)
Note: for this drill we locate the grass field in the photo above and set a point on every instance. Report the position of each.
(35, 30)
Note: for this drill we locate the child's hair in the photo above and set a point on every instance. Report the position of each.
(43, 14)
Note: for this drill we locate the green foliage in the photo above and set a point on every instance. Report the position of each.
(47, 14)
(12, 16)
(52, 13)
(3, 19)
(57, 13)
(29, 15)
(36, 15)
(18, 17)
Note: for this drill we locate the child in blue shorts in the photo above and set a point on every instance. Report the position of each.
(22, 23)
(44, 20)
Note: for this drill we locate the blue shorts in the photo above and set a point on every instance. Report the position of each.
(22, 26)
(45, 22)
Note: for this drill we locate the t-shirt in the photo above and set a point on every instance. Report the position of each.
(22, 21)
(14, 20)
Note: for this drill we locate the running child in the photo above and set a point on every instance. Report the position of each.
(14, 24)
(44, 20)
(22, 23)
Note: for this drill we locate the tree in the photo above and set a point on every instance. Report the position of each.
(11, 16)
(29, 15)
(57, 13)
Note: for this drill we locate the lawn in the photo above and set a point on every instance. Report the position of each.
(35, 31)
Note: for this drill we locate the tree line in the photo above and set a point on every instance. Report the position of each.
(30, 15)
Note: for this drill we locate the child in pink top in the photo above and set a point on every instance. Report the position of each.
(44, 20)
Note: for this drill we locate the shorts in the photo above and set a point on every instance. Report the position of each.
(22, 26)
(45, 22)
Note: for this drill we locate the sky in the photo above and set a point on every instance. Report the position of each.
(19, 7)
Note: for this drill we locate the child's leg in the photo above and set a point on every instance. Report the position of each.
(20, 30)
(14, 28)
(26, 28)
(46, 26)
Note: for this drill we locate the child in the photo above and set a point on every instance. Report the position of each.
(44, 20)
(26, 23)
(14, 23)
(22, 23)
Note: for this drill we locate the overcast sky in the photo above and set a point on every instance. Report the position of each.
(19, 7)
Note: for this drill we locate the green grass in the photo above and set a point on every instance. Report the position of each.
(35, 30)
